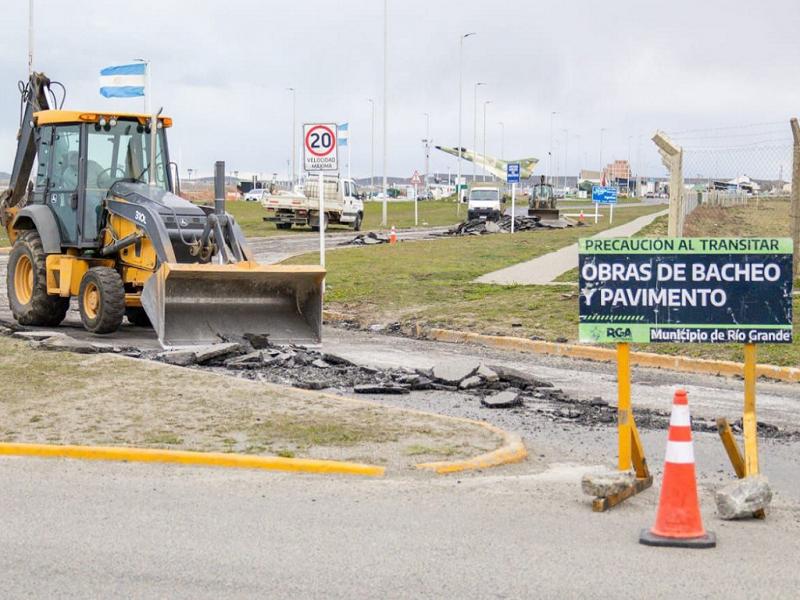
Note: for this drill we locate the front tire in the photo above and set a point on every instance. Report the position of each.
(101, 300)
(357, 222)
(26, 280)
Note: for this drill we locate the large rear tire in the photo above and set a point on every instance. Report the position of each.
(26, 280)
(101, 300)
(283, 225)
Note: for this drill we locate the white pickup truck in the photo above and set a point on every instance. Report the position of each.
(343, 204)
(485, 201)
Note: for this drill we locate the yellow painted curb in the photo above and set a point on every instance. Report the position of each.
(5, 249)
(640, 359)
(512, 451)
(211, 459)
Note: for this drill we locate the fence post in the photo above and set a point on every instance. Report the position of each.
(795, 208)
(672, 158)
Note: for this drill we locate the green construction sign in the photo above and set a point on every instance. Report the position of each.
(685, 290)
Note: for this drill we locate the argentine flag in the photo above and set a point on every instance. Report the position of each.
(342, 134)
(124, 81)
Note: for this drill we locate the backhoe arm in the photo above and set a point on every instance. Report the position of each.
(34, 99)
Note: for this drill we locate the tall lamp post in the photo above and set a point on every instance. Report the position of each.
(550, 153)
(372, 147)
(485, 104)
(427, 142)
(460, 106)
(602, 131)
(294, 138)
(384, 216)
(566, 158)
(475, 124)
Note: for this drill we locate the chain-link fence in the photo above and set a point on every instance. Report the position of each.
(733, 181)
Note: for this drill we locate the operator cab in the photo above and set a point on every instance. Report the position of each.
(542, 202)
(80, 156)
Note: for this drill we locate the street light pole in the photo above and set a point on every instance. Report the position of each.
(427, 151)
(372, 147)
(460, 106)
(485, 104)
(566, 158)
(550, 154)
(475, 125)
(384, 215)
(294, 139)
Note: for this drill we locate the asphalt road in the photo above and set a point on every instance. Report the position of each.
(101, 530)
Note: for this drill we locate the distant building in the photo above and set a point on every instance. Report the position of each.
(590, 176)
(619, 170)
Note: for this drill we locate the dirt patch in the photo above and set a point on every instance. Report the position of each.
(106, 399)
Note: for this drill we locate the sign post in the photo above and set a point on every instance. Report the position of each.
(512, 177)
(320, 154)
(602, 194)
(686, 290)
(415, 181)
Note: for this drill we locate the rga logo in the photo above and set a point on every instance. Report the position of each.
(619, 333)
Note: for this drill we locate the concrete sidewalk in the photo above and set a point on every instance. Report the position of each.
(544, 269)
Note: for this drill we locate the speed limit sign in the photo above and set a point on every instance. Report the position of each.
(320, 147)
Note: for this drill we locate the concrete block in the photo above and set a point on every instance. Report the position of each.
(452, 372)
(204, 354)
(607, 483)
(486, 373)
(506, 399)
(180, 358)
(470, 382)
(741, 498)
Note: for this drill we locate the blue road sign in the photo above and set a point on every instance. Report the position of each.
(512, 173)
(604, 194)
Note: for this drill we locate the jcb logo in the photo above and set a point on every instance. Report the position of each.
(139, 216)
(619, 333)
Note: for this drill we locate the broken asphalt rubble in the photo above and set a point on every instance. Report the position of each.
(521, 223)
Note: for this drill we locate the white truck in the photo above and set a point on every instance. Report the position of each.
(484, 201)
(343, 202)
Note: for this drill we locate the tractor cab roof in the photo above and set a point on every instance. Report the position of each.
(64, 117)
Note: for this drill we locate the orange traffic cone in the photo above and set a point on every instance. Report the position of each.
(678, 521)
(393, 236)
(580, 218)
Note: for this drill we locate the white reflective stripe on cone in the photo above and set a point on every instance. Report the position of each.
(680, 415)
(681, 453)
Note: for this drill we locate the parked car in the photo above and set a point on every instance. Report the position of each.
(255, 195)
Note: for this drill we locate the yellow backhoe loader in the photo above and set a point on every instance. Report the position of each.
(102, 222)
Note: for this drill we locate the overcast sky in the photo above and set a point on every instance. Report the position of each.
(221, 69)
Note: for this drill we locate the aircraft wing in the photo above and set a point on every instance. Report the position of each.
(495, 166)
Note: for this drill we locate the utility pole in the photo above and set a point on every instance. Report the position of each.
(485, 104)
(460, 107)
(372, 147)
(566, 158)
(294, 141)
(475, 126)
(384, 213)
(550, 153)
(427, 141)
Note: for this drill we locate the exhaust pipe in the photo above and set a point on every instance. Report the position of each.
(219, 187)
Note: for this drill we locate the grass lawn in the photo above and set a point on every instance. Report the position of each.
(3, 237)
(250, 215)
(64, 398)
(431, 283)
(766, 218)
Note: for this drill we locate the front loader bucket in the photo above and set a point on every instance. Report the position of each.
(203, 303)
(546, 214)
